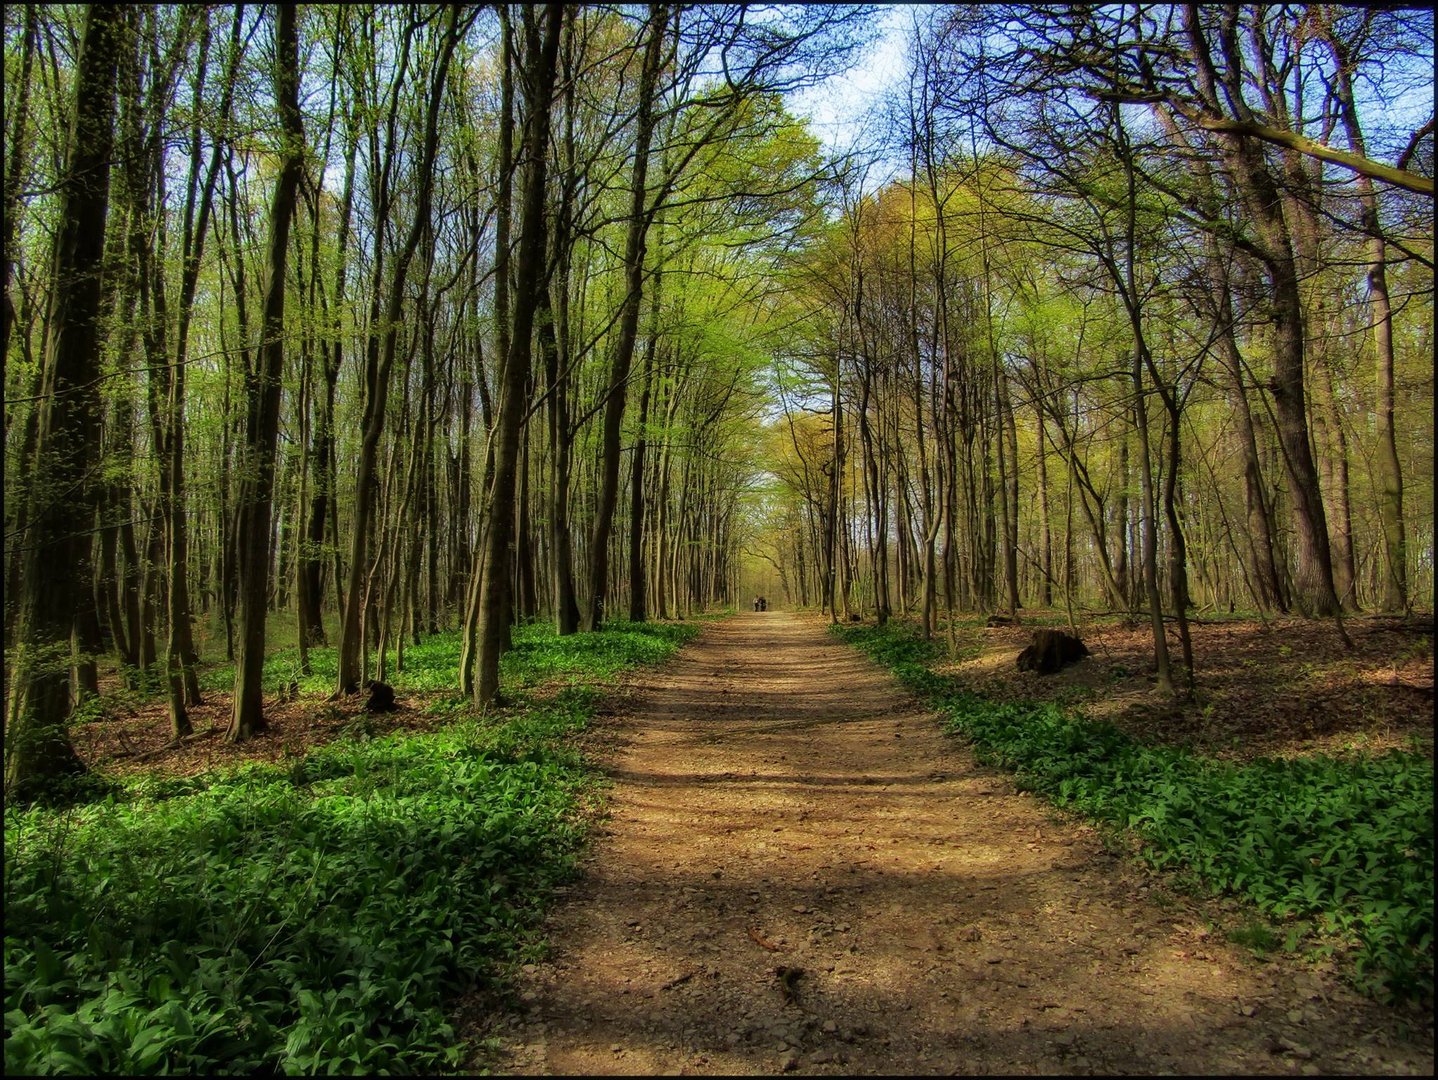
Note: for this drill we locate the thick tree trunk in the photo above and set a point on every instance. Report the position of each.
(1390, 473)
(1256, 504)
(14, 178)
(57, 574)
(1313, 587)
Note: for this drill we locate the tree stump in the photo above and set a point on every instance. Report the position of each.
(381, 697)
(1051, 650)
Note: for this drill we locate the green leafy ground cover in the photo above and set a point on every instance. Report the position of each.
(314, 918)
(1336, 853)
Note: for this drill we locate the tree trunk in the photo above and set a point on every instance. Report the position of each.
(1313, 588)
(181, 655)
(493, 624)
(638, 611)
(57, 571)
(628, 322)
(253, 506)
(322, 457)
(1256, 504)
(1008, 436)
(14, 178)
(1046, 595)
(566, 605)
(380, 352)
(1390, 473)
(1164, 675)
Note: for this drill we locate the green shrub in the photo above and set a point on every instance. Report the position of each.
(1344, 844)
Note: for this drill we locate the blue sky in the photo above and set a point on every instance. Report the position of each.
(836, 107)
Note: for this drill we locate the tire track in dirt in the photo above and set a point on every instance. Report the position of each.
(801, 873)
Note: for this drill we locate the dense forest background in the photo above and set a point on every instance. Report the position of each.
(354, 324)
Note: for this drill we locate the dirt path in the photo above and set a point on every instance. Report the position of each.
(781, 807)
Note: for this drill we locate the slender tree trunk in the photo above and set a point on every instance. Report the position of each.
(1380, 306)
(1046, 594)
(199, 201)
(832, 506)
(253, 505)
(1150, 534)
(492, 623)
(381, 351)
(566, 605)
(523, 532)
(322, 457)
(618, 380)
(1008, 439)
(638, 611)
(1334, 484)
(1126, 570)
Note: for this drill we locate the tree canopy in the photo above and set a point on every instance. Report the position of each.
(400, 319)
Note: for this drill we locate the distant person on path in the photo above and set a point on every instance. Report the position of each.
(763, 604)
(757, 602)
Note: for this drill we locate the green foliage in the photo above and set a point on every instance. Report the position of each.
(1341, 846)
(539, 654)
(1257, 936)
(314, 918)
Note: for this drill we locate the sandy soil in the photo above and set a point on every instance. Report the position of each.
(801, 873)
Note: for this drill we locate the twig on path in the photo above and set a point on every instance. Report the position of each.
(672, 983)
(759, 940)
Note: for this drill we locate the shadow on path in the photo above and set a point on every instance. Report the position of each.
(801, 873)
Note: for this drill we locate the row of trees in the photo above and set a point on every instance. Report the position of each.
(363, 310)
(394, 319)
(1142, 323)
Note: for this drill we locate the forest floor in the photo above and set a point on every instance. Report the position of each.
(800, 873)
(1282, 688)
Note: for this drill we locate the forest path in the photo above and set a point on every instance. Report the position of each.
(779, 804)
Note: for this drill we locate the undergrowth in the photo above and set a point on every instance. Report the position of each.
(1335, 852)
(314, 918)
(538, 655)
